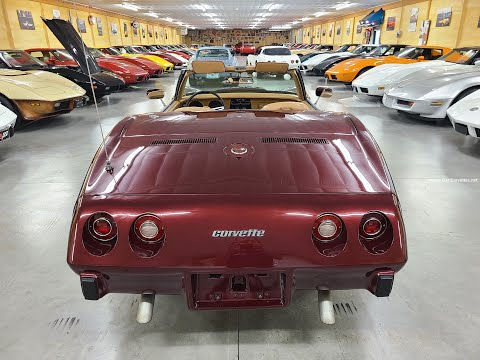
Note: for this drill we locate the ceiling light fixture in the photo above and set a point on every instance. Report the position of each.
(152, 14)
(129, 6)
(344, 5)
(321, 13)
(168, 19)
(306, 19)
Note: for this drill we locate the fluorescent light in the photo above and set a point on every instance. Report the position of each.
(343, 5)
(295, 22)
(152, 14)
(306, 19)
(321, 13)
(168, 19)
(129, 6)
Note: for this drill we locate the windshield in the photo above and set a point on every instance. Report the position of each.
(410, 53)
(62, 55)
(280, 51)
(361, 49)
(235, 82)
(121, 50)
(379, 51)
(460, 56)
(130, 50)
(96, 53)
(113, 51)
(213, 53)
(20, 59)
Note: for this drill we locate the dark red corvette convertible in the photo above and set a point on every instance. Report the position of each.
(237, 194)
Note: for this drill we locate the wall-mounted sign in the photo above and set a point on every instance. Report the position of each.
(99, 27)
(125, 30)
(92, 20)
(114, 29)
(424, 29)
(135, 24)
(339, 29)
(25, 20)
(348, 27)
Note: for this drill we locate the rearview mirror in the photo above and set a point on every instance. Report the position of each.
(156, 94)
(324, 92)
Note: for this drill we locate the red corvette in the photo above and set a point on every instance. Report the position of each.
(245, 49)
(235, 196)
(154, 70)
(130, 73)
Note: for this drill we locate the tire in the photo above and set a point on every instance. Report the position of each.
(10, 106)
(363, 71)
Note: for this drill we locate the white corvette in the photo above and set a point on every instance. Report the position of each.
(465, 115)
(376, 80)
(7, 122)
(278, 54)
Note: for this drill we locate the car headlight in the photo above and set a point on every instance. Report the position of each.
(381, 88)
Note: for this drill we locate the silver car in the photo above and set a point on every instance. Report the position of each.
(7, 122)
(430, 92)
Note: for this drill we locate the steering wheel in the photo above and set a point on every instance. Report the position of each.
(190, 99)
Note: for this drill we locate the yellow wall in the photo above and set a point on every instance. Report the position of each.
(12, 36)
(463, 30)
(470, 33)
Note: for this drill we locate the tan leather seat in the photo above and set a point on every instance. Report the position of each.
(287, 106)
(194, 109)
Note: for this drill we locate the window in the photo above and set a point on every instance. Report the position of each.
(280, 51)
(213, 53)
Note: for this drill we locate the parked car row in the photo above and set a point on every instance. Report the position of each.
(44, 82)
(428, 82)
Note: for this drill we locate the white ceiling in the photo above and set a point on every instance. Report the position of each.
(228, 14)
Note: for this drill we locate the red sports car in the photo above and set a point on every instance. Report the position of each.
(130, 73)
(245, 49)
(235, 196)
(154, 70)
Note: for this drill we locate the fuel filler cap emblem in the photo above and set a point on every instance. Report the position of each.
(239, 150)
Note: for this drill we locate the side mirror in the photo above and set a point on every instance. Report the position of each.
(476, 62)
(324, 92)
(421, 58)
(156, 94)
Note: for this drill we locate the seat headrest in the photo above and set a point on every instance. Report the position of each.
(287, 106)
(271, 67)
(207, 67)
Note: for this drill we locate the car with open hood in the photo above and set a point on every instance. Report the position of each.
(237, 194)
(104, 82)
(430, 93)
(376, 80)
(465, 115)
(130, 73)
(349, 70)
(279, 54)
(8, 119)
(36, 94)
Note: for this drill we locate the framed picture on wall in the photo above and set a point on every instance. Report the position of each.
(125, 30)
(348, 27)
(56, 14)
(391, 23)
(150, 32)
(359, 29)
(330, 31)
(135, 32)
(339, 30)
(324, 32)
(412, 26)
(114, 29)
(82, 28)
(99, 27)
(143, 31)
(25, 20)
(478, 24)
(444, 16)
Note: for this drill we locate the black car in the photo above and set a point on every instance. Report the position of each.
(104, 82)
(361, 51)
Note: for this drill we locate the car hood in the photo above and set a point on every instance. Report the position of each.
(49, 87)
(421, 83)
(388, 74)
(322, 57)
(73, 43)
(146, 161)
(467, 109)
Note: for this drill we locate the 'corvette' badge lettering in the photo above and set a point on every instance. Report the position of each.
(238, 233)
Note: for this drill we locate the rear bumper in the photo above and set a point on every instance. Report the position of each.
(214, 289)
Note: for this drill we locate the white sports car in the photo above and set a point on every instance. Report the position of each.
(431, 92)
(278, 54)
(310, 63)
(7, 123)
(376, 80)
(465, 115)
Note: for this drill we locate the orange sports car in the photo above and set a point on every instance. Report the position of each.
(349, 70)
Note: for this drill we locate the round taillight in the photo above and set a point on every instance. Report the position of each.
(327, 227)
(373, 225)
(102, 227)
(149, 228)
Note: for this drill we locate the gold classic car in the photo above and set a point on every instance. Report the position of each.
(36, 94)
